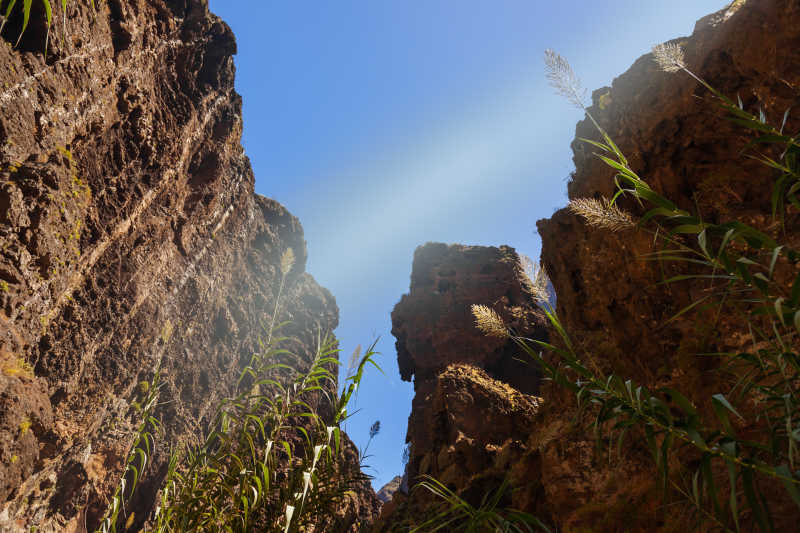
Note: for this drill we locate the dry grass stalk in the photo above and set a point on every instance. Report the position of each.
(287, 261)
(669, 57)
(564, 80)
(602, 214)
(489, 322)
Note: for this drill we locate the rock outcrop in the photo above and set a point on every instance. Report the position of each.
(387, 491)
(131, 239)
(474, 404)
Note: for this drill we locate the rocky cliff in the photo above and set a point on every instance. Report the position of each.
(130, 238)
(609, 298)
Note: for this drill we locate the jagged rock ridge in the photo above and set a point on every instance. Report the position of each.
(131, 239)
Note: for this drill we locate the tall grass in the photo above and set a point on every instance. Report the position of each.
(751, 280)
(138, 456)
(272, 459)
(458, 515)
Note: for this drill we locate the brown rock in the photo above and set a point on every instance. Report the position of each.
(387, 491)
(473, 407)
(433, 323)
(130, 238)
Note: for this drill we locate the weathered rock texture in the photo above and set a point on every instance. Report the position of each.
(608, 295)
(387, 491)
(130, 238)
(474, 403)
(609, 299)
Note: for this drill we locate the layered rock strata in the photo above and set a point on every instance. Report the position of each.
(131, 240)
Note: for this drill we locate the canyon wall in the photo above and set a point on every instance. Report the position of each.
(608, 296)
(131, 240)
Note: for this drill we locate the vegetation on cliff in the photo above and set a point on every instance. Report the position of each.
(725, 456)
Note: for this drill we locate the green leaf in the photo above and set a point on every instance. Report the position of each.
(721, 408)
(688, 308)
(791, 486)
(752, 500)
(596, 144)
(683, 402)
(26, 15)
(775, 254)
(9, 7)
(701, 241)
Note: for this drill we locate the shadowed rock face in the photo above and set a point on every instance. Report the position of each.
(473, 406)
(433, 323)
(130, 239)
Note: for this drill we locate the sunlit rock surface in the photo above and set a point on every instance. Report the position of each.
(130, 238)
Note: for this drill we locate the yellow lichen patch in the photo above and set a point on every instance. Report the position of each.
(14, 366)
(166, 332)
(24, 426)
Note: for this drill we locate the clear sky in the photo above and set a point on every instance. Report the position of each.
(384, 124)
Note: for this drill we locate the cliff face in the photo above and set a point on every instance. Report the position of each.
(609, 299)
(131, 239)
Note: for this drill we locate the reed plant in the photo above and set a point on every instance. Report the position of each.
(272, 460)
(458, 515)
(733, 474)
(138, 456)
(24, 7)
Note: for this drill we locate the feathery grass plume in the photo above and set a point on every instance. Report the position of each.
(540, 283)
(537, 278)
(669, 57)
(287, 261)
(488, 321)
(563, 79)
(352, 364)
(601, 214)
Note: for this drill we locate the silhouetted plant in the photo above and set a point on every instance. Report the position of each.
(24, 6)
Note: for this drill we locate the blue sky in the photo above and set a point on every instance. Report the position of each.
(385, 124)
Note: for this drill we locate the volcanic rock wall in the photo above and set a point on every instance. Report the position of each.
(609, 299)
(130, 238)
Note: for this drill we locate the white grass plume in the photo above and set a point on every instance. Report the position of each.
(601, 214)
(564, 80)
